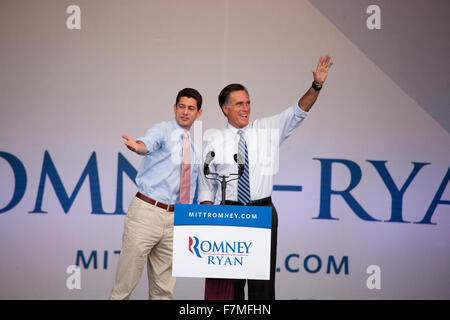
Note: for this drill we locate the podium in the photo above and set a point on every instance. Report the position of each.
(222, 241)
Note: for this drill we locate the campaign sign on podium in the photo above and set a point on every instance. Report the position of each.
(221, 241)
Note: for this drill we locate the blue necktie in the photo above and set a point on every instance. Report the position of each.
(244, 181)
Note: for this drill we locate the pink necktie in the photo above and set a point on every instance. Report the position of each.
(185, 183)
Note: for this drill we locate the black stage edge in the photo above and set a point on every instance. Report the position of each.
(194, 309)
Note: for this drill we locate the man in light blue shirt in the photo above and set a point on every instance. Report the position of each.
(159, 173)
(167, 175)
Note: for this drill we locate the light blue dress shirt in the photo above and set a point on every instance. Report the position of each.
(160, 171)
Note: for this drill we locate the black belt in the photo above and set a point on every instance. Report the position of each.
(261, 202)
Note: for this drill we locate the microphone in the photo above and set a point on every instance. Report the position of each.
(241, 165)
(209, 157)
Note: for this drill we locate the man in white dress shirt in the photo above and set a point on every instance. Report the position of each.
(257, 143)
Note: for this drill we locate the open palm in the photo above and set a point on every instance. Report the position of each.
(321, 72)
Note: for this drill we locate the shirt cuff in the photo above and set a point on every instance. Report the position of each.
(143, 141)
(205, 196)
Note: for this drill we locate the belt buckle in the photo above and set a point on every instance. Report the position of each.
(162, 204)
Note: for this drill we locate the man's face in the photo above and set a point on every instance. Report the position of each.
(186, 112)
(238, 110)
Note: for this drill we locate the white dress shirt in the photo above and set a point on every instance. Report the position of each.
(263, 137)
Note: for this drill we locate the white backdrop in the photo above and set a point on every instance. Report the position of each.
(66, 96)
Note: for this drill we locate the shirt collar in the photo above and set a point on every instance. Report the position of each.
(235, 130)
(176, 126)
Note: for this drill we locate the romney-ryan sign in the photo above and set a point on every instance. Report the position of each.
(212, 241)
(396, 190)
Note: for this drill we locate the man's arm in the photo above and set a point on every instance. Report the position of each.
(138, 147)
(320, 75)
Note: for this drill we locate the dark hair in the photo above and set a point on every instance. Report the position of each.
(190, 93)
(224, 95)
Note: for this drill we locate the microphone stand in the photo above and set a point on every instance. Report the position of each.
(226, 286)
(223, 178)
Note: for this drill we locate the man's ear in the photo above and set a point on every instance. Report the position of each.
(225, 110)
(175, 108)
(199, 113)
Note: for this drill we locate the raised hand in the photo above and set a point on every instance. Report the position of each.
(321, 72)
(130, 143)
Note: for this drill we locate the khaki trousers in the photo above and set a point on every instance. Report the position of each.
(147, 238)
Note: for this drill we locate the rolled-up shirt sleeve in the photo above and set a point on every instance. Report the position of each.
(286, 122)
(154, 137)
